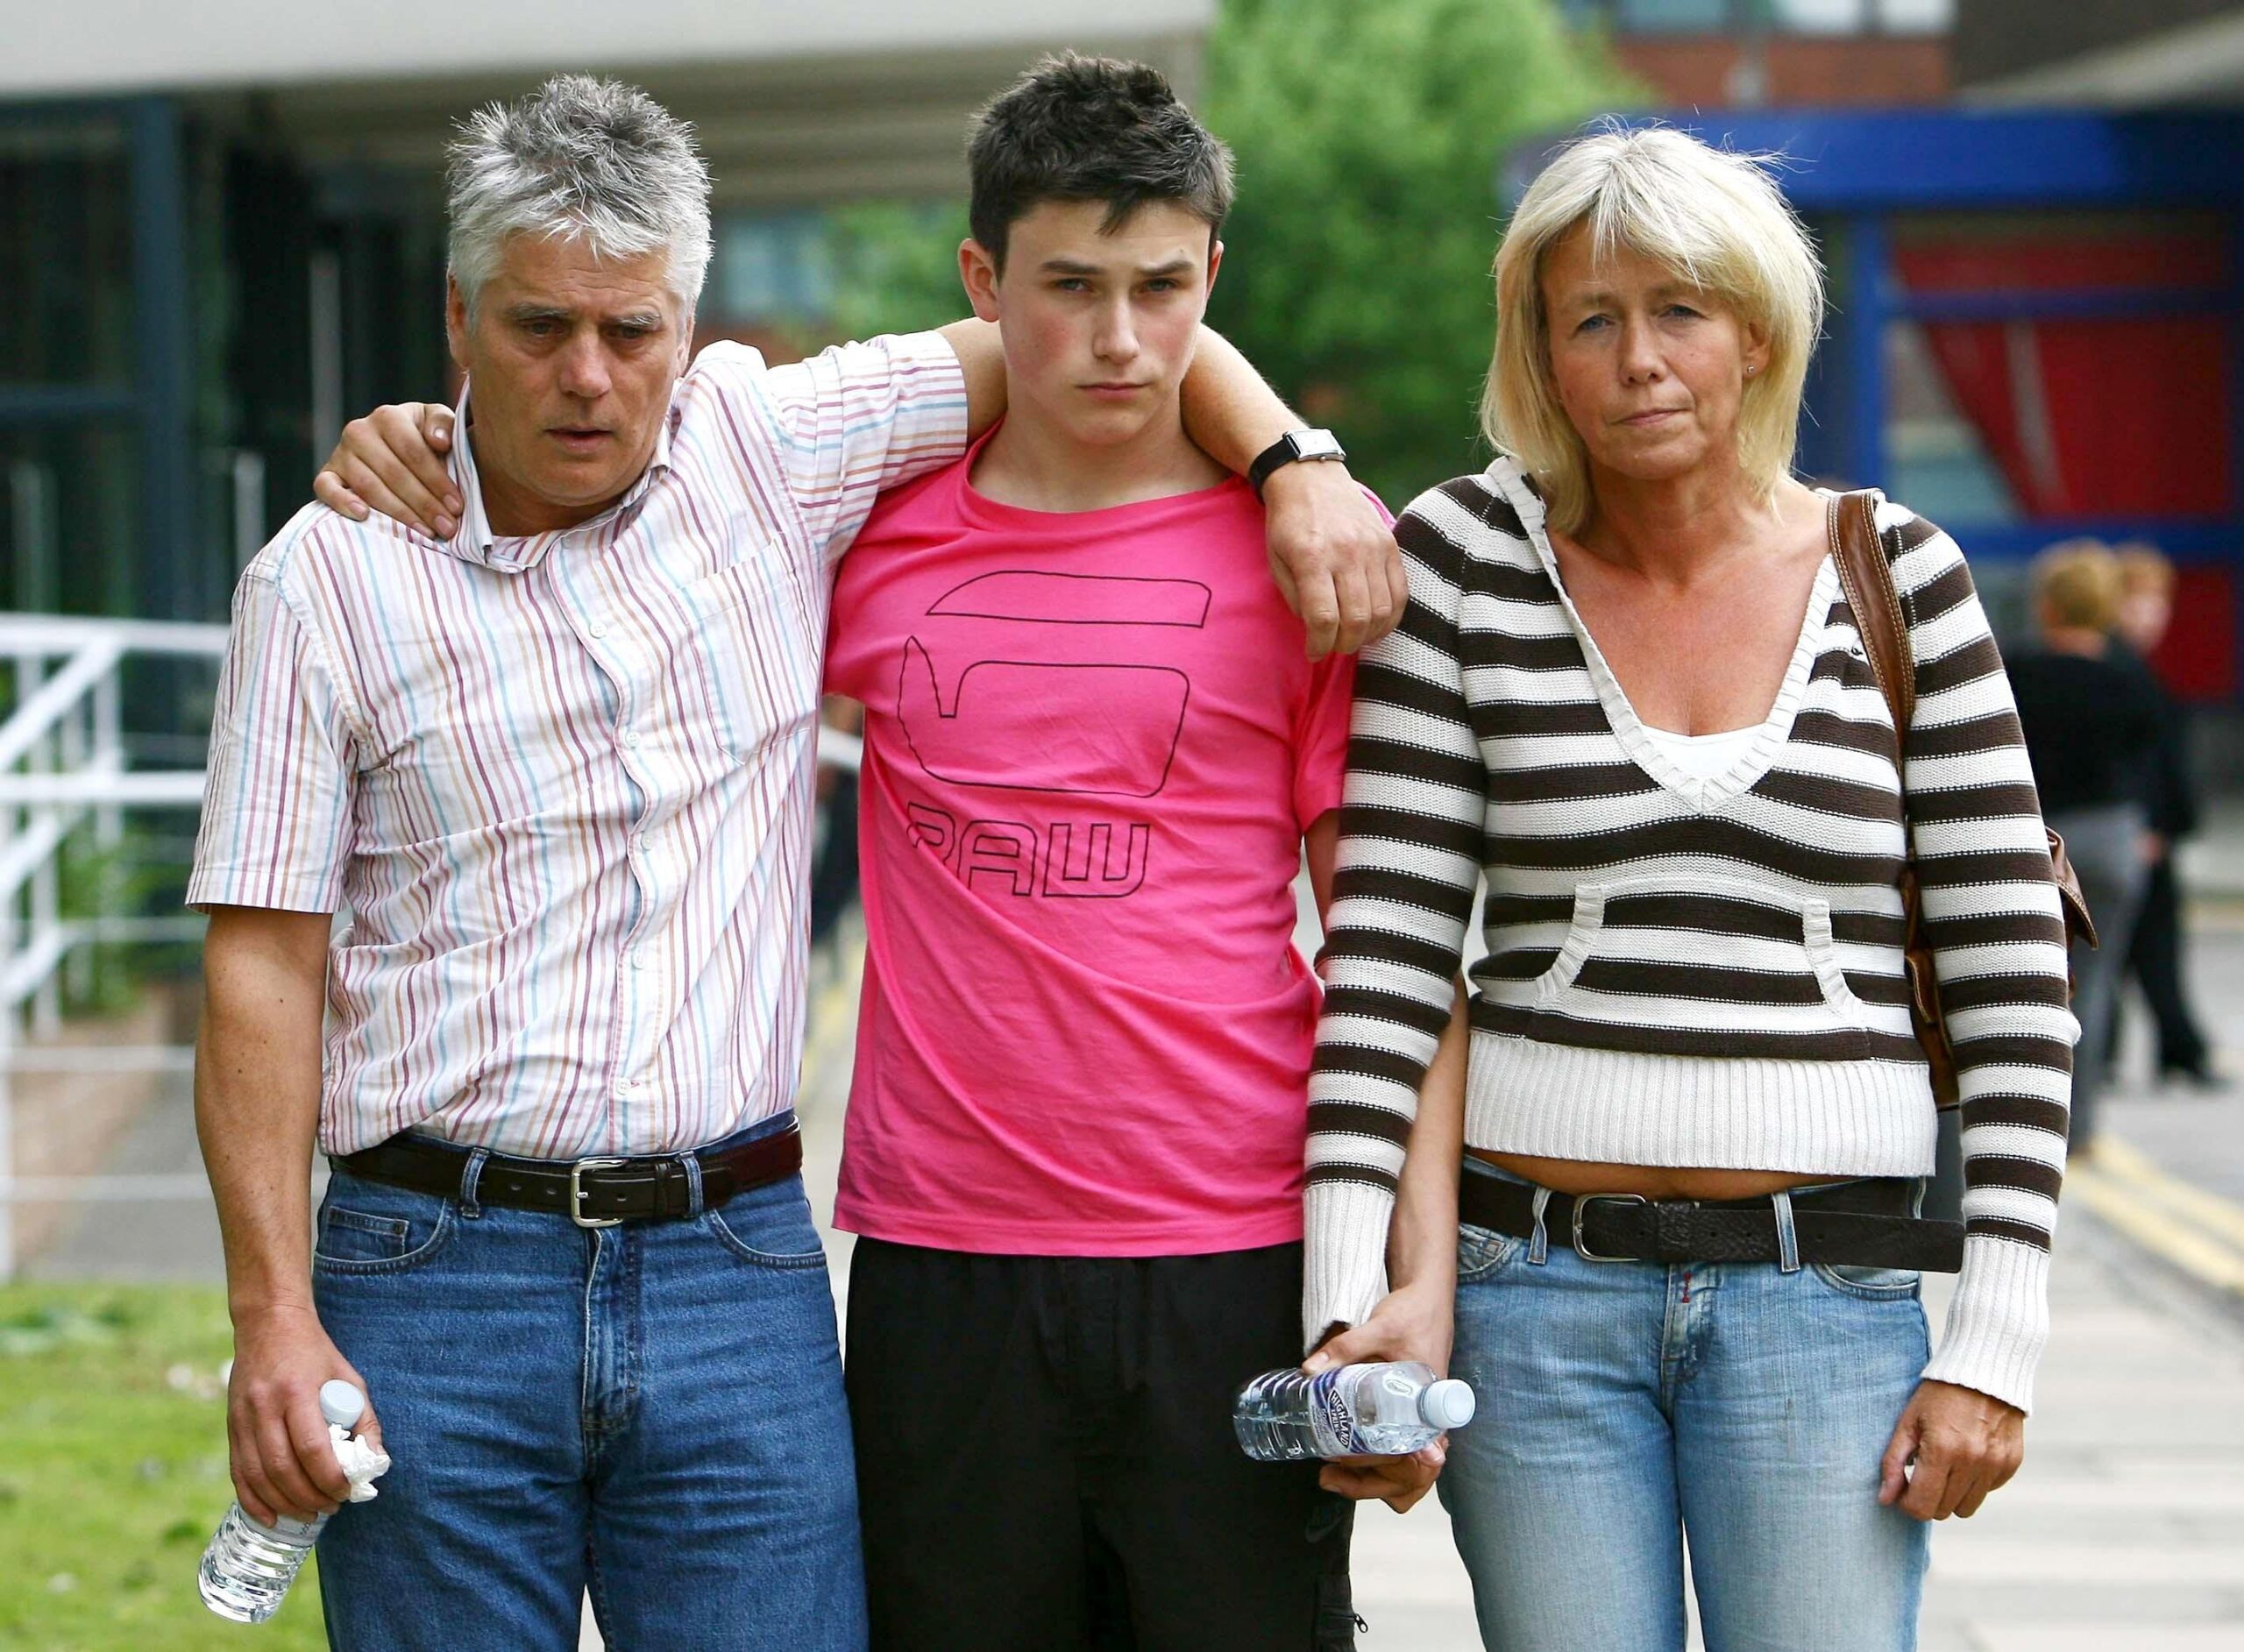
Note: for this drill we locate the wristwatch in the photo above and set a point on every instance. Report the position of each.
(1295, 444)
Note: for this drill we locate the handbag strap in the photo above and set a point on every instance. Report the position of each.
(1867, 578)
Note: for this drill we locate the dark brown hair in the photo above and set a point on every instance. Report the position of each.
(1091, 129)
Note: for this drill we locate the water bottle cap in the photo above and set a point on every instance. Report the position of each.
(340, 1402)
(1446, 1404)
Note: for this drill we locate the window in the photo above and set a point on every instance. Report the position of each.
(1672, 17)
(773, 267)
(1937, 457)
(66, 255)
(1837, 18)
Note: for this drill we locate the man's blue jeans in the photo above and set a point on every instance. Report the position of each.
(653, 1411)
(1625, 1406)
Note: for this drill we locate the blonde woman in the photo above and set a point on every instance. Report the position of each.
(1629, 701)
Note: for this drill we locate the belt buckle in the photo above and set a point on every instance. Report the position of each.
(576, 1192)
(1582, 1202)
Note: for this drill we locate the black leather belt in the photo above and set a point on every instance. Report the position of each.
(593, 1193)
(1856, 1225)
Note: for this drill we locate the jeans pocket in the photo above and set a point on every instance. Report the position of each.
(1872, 1284)
(770, 1226)
(355, 1239)
(1481, 1251)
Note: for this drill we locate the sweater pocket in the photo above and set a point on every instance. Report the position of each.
(1698, 966)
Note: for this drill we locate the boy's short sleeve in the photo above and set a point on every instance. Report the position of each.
(1321, 744)
(1321, 747)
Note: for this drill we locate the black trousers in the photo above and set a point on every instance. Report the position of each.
(2154, 960)
(1046, 1461)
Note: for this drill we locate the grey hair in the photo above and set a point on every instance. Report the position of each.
(580, 158)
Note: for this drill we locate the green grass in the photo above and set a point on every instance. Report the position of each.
(113, 1473)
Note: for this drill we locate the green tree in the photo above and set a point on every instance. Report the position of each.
(1369, 138)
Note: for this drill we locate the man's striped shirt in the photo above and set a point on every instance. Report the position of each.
(1680, 971)
(563, 783)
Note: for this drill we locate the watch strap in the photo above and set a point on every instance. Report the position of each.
(1295, 444)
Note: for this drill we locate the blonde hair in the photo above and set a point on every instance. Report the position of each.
(2144, 570)
(1718, 220)
(2078, 584)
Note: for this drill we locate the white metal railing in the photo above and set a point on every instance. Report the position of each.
(62, 765)
(63, 768)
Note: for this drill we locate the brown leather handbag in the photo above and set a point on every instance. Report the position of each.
(1867, 577)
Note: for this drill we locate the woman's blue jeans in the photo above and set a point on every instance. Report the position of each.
(1629, 1408)
(653, 1411)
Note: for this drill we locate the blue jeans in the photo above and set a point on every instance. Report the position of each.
(653, 1411)
(1626, 1407)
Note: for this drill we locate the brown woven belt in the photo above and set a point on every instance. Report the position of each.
(1854, 1224)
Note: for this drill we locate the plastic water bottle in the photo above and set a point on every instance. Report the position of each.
(246, 1571)
(1375, 1410)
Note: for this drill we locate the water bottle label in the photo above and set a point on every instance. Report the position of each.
(300, 1533)
(1329, 1406)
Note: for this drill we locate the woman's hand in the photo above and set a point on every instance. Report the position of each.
(393, 460)
(1951, 1448)
(1413, 1322)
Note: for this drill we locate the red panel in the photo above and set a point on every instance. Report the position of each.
(2098, 418)
(2198, 659)
(2146, 262)
(2120, 416)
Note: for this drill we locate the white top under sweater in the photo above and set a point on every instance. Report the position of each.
(1704, 757)
(1684, 968)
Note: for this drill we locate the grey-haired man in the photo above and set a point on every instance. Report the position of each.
(555, 760)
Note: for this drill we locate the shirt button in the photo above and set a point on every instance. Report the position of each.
(638, 958)
(598, 629)
(630, 737)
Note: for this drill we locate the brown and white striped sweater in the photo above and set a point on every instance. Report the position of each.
(1686, 972)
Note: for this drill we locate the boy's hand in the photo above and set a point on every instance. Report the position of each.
(392, 460)
(1398, 1481)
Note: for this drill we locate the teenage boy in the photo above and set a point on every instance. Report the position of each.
(1094, 752)
(1093, 755)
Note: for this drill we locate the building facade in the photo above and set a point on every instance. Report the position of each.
(221, 226)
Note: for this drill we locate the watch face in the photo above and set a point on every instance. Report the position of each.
(1315, 444)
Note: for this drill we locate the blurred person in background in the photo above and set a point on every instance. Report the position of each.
(2094, 732)
(555, 754)
(2155, 957)
(1630, 700)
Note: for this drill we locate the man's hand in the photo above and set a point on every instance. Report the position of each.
(282, 1461)
(393, 460)
(1333, 556)
(1951, 1448)
(1413, 1322)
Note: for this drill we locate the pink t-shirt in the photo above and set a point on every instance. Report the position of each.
(1092, 745)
